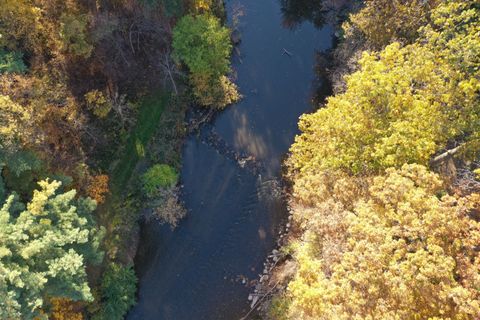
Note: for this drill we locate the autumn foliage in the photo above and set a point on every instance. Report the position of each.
(98, 188)
(65, 309)
(383, 236)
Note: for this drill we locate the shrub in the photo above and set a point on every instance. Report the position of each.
(98, 103)
(117, 292)
(159, 176)
(98, 188)
(11, 62)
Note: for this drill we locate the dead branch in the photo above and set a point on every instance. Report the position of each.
(444, 156)
(288, 53)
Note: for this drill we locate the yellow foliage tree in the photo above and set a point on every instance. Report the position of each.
(44, 27)
(382, 240)
(384, 21)
(409, 255)
(15, 121)
(202, 5)
(20, 20)
(400, 107)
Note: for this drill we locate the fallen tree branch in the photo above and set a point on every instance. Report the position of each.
(444, 156)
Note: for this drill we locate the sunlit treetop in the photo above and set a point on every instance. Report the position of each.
(409, 254)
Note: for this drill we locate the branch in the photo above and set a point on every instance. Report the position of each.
(444, 156)
(288, 53)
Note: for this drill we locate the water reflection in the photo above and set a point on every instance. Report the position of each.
(247, 139)
(297, 11)
(318, 12)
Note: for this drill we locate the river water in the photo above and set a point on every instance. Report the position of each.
(234, 212)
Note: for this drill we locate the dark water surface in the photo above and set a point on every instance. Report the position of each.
(234, 213)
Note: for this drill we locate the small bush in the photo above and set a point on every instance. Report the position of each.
(99, 103)
(159, 176)
(98, 188)
(278, 308)
(12, 62)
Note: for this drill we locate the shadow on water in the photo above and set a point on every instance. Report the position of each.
(204, 269)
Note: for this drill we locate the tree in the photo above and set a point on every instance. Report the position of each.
(385, 21)
(44, 248)
(381, 238)
(74, 34)
(204, 46)
(402, 106)
(15, 121)
(409, 254)
(453, 34)
(20, 21)
(215, 92)
(65, 309)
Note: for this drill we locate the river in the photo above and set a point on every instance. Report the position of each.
(234, 212)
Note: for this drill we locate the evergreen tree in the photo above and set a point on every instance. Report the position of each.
(44, 249)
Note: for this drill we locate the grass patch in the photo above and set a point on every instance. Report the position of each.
(151, 109)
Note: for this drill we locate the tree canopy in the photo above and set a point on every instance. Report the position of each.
(202, 44)
(384, 21)
(403, 104)
(383, 237)
(409, 253)
(44, 249)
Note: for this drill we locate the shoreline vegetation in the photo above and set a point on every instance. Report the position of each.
(93, 98)
(384, 177)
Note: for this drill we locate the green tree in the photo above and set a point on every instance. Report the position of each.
(12, 62)
(44, 248)
(74, 34)
(203, 45)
